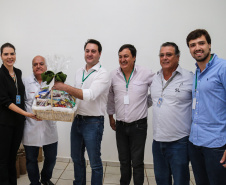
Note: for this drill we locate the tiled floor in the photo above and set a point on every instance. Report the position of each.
(63, 174)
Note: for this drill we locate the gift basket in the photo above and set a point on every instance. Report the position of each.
(50, 104)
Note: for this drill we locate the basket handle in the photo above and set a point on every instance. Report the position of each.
(51, 98)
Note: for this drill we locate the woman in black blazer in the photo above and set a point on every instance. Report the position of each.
(12, 114)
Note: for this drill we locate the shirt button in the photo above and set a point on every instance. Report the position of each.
(196, 113)
(197, 102)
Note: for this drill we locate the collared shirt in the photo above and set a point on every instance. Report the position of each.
(209, 116)
(172, 119)
(36, 133)
(139, 83)
(95, 90)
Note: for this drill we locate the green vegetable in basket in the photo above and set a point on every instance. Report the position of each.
(48, 76)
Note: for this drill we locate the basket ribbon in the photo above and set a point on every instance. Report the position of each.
(49, 75)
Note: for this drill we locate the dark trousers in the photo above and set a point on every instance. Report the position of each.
(50, 153)
(10, 138)
(131, 143)
(206, 165)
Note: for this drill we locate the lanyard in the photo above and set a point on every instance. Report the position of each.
(168, 82)
(127, 82)
(196, 74)
(83, 79)
(17, 93)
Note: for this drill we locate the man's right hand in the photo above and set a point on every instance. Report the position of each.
(112, 122)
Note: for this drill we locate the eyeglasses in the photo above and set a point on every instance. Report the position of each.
(167, 55)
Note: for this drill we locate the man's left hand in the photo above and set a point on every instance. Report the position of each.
(223, 159)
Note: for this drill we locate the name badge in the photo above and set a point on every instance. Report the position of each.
(126, 100)
(159, 103)
(18, 99)
(193, 103)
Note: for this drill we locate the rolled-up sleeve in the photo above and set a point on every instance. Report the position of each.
(111, 102)
(100, 85)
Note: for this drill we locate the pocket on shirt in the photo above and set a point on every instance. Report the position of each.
(140, 87)
(183, 94)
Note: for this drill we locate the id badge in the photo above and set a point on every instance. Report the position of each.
(126, 99)
(18, 99)
(194, 103)
(159, 103)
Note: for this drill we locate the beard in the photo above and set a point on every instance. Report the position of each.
(202, 59)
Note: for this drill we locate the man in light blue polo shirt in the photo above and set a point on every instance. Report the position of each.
(208, 132)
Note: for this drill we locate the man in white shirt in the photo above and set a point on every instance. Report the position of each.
(128, 100)
(171, 93)
(91, 89)
(38, 133)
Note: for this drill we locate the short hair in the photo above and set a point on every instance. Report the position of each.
(41, 57)
(93, 41)
(7, 45)
(130, 47)
(176, 48)
(198, 33)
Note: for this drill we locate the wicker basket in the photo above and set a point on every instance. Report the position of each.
(54, 113)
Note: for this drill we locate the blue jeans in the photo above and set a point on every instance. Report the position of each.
(206, 165)
(50, 153)
(171, 159)
(131, 143)
(87, 132)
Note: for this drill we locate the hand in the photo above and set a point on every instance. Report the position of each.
(59, 86)
(223, 159)
(112, 124)
(33, 116)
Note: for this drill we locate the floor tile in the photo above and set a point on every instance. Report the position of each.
(70, 167)
(54, 180)
(23, 180)
(88, 168)
(116, 164)
(112, 170)
(88, 177)
(151, 180)
(64, 182)
(60, 165)
(57, 173)
(193, 182)
(192, 175)
(65, 160)
(150, 172)
(67, 174)
(111, 179)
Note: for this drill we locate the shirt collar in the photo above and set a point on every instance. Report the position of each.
(119, 70)
(94, 68)
(179, 70)
(32, 79)
(210, 62)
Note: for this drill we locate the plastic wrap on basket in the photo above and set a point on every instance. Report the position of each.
(54, 104)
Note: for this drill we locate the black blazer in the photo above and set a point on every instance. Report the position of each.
(8, 92)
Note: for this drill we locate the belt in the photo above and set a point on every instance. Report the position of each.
(139, 121)
(87, 117)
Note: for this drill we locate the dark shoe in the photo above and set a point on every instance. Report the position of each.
(49, 182)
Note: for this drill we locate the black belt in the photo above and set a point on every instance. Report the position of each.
(139, 121)
(87, 117)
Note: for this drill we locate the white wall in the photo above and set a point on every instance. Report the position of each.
(61, 27)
